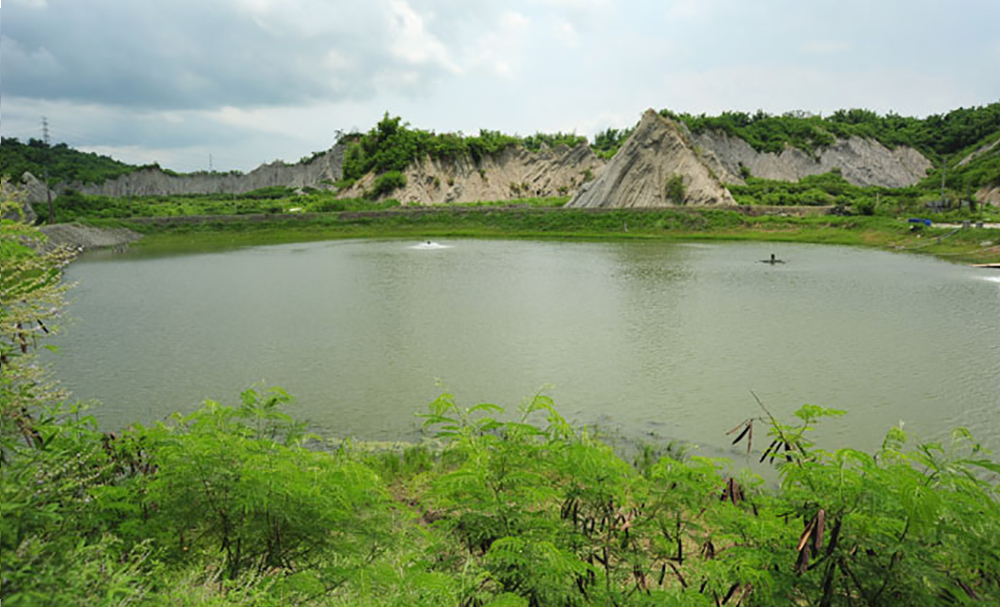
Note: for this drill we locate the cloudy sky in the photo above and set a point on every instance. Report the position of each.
(251, 81)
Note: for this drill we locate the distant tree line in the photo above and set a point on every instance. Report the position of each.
(64, 164)
(938, 136)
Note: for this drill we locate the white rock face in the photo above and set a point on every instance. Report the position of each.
(637, 176)
(862, 162)
(326, 167)
(30, 191)
(514, 173)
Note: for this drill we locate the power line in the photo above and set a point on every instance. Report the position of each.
(20, 134)
(77, 137)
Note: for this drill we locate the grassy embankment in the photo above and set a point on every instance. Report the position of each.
(558, 223)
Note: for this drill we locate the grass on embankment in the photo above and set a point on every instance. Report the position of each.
(558, 223)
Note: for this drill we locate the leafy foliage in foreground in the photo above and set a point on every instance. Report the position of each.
(507, 512)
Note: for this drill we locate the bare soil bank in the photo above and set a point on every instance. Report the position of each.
(83, 237)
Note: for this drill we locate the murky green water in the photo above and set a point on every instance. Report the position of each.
(646, 337)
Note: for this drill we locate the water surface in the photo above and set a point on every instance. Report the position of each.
(655, 338)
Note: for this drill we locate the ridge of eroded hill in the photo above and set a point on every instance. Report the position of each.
(657, 166)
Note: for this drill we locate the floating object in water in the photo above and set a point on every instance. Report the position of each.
(773, 260)
(430, 246)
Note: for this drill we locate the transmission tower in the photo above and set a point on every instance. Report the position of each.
(48, 155)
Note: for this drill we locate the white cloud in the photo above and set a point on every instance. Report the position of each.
(335, 61)
(777, 89)
(691, 9)
(35, 4)
(514, 22)
(411, 42)
(825, 47)
(39, 61)
(581, 6)
(188, 77)
(565, 33)
(500, 51)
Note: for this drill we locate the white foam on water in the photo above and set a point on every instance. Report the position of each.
(430, 246)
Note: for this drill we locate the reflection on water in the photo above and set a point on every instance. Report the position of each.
(645, 337)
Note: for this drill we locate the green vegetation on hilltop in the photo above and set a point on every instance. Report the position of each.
(607, 142)
(392, 145)
(64, 164)
(937, 136)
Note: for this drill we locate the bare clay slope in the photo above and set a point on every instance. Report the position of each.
(514, 173)
(638, 174)
(862, 162)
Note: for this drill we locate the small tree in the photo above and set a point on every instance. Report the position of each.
(676, 191)
(31, 298)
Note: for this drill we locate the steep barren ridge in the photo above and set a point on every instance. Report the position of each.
(325, 167)
(637, 176)
(514, 173)
(862, 162)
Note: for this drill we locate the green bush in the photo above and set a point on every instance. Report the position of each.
(607, 142)
(269, 193)
(238, 482)
(675, 189)
(387, 183)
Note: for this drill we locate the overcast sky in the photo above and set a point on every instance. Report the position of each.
(251, 81)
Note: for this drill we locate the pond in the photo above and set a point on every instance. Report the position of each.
(652, 339)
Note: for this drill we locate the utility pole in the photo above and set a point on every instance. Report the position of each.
(210, 162)
(48, 156)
